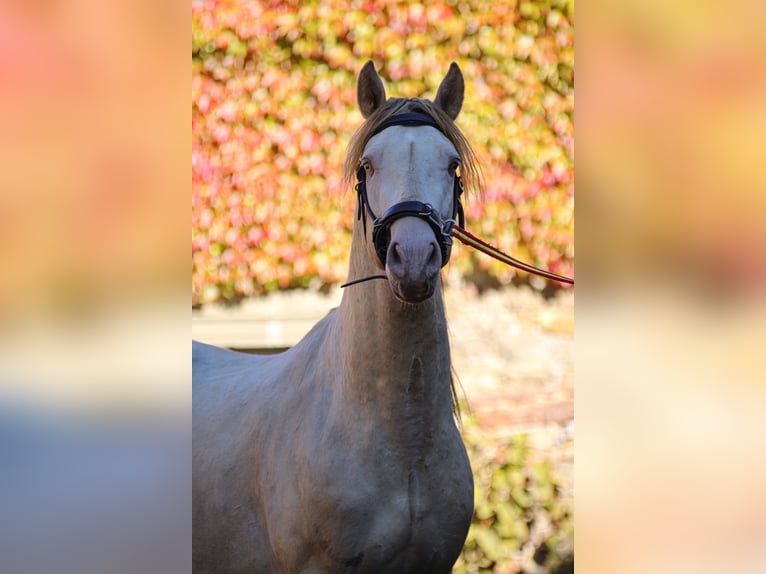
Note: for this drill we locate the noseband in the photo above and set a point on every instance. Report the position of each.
(381, 226)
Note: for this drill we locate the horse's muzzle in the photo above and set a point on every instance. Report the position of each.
(413, 260)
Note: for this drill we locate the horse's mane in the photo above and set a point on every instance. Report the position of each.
(469, 168)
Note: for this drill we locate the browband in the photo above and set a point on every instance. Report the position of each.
(407, 119)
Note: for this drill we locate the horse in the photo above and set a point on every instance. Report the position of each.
(343, 453)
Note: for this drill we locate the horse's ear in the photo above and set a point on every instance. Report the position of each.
(370, 93)
(449, 97)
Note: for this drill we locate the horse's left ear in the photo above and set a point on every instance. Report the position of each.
(449, 97)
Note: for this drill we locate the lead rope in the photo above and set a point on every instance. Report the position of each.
(473, 241)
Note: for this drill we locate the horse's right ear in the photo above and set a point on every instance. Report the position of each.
(449, 97)
(370, 93)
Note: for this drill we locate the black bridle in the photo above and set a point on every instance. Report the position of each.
(381, 226)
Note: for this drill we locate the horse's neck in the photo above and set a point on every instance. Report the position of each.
(395, 356)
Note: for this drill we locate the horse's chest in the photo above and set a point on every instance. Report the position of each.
(416, 522)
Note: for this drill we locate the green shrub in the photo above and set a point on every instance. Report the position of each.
(521, 517)
(273, 107)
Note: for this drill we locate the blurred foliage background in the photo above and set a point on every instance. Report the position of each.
(523, 516)
(273, 108)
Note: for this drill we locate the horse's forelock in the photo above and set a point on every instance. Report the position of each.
(470, 171)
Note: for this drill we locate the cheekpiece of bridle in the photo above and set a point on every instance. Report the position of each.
(381, 226)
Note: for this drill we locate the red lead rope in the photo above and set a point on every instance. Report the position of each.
(470, 239)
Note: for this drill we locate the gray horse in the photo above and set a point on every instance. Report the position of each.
(342, 454)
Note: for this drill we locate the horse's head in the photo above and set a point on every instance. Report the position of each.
(406, 159)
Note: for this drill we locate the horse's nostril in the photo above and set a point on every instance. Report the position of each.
(436, 254)
(394, 256)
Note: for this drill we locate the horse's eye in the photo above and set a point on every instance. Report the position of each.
(454, 166)
(367, 165)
